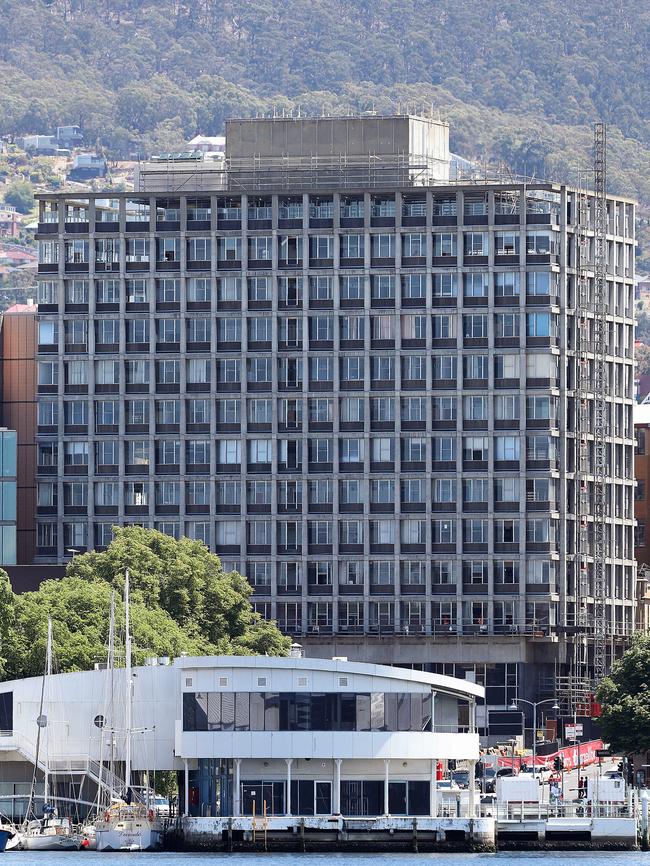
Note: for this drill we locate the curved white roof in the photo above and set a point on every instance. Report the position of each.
(439, 682)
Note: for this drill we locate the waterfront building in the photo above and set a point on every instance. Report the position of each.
(303, 736)
(354, 380)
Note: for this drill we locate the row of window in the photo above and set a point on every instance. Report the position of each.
(137, 333)
(506, 616)
(414, 453)
(322, 249)
(291, 413)
(318, 207)
(380, 491)
(290, 371)
(288, 534)
(317, 711)
(288, 452)
(415, 289)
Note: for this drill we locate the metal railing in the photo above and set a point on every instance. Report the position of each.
(66, 765)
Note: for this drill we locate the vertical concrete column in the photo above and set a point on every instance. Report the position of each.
(386, 785)
(433, 790)
(187, 787)
(337, 786)
(289, 762)
(236, 794)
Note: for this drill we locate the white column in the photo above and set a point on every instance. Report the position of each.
(386, 783)
(472, 789)
(187, 786)
(236, 794)
(433, 791)
(289, 762)
(337, 787)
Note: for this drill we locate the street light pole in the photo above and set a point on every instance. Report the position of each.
(534, 705)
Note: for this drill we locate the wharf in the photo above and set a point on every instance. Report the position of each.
(608, 829)
(333, 833)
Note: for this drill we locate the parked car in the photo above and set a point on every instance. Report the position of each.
(161, 806)
(506, 771)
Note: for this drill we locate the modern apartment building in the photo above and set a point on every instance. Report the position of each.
(354, 380)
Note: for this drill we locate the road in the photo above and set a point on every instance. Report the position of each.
(591, 772)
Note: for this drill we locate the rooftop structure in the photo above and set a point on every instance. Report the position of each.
(311, 153)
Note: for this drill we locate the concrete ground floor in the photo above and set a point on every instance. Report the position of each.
(334, 833)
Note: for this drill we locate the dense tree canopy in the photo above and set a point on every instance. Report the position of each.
(181, 601)
(20, 194)
(519, 80)
(625, 698)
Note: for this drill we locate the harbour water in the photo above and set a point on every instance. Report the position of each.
(506, 858)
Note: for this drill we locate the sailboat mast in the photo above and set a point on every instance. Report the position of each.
(129, 707)
(110, 664)
(48, 674)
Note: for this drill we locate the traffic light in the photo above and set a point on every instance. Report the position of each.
(620, 766)
(558, 763)
(630, 772)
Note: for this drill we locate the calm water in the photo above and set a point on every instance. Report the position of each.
(599, 858)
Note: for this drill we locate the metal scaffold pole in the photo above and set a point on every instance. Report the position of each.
(583, 403)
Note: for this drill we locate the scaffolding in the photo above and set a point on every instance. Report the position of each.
(571, 689)
(600, 401)
(588, 664)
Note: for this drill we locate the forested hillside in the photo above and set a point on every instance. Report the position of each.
(519, 80)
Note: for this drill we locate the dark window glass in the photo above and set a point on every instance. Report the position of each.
(227, 711)
(242, 712)
(377, 711)
(214, 711)
(348, 712)
(7, 711)
(272, 711)
(305, 711)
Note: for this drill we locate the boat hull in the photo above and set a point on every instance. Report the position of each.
(49, 843)
(127, 839)
(5, 836)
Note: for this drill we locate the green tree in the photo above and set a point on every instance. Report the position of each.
(188, 583)
(625, 699)
(20, 194)
(79, 610)
(7, 613)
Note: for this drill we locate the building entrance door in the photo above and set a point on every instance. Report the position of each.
(323, 798)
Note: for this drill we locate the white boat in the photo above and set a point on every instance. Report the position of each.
(50, 834)
(128, 826)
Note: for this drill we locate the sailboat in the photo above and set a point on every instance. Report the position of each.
(127, 824)
(51, 832)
